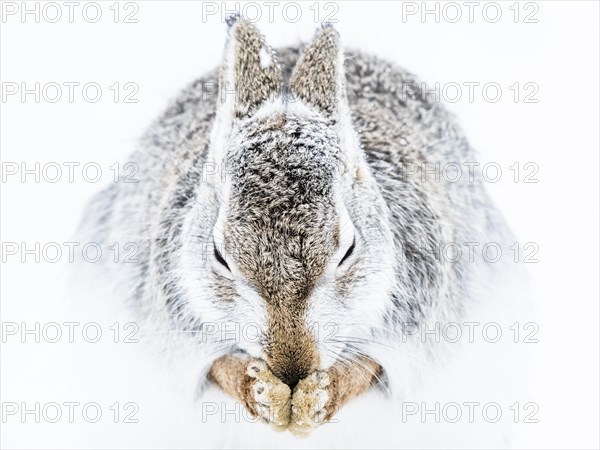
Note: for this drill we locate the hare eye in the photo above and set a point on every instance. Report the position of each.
(220, 258)
(348, 253)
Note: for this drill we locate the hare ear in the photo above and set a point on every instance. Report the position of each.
(318, 78)
(248, 77)
(249, 72)
(319, 81)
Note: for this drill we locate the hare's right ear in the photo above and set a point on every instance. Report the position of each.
(249, 75)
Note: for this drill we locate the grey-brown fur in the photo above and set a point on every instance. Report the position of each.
(287, 175)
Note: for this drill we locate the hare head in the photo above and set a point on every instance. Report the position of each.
(297, 240)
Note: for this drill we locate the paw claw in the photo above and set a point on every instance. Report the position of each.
(323, 378)
(255, 368)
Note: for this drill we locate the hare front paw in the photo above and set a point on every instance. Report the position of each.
(311, 403)
(267, 397)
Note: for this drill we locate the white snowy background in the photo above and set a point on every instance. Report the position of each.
(170, 46)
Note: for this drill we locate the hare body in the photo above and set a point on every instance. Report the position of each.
(311, 232)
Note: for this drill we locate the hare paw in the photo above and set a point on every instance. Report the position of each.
(267, 397)
(311, 403)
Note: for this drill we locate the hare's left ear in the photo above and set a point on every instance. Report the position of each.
(318, 78)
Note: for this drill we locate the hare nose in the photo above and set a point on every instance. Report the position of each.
(292, 375)
(290, 367)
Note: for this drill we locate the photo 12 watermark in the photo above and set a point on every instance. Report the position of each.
(60, 92)
(91, 412)
(470, 12)
(70, 332)
(272, 11)
(53, 172)
(28, 12)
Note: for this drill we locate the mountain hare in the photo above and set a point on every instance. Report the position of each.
(288, 227)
